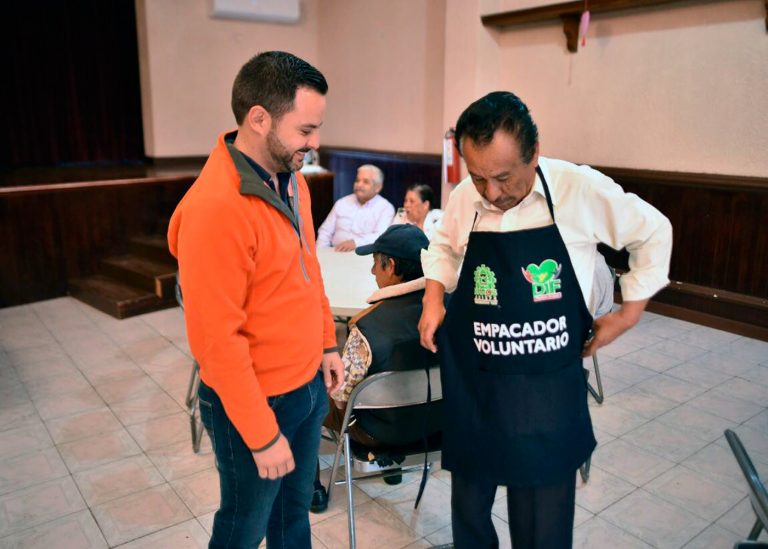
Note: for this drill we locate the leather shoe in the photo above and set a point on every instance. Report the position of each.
(319, 500)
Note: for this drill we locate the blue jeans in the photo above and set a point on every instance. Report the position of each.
(252, 507)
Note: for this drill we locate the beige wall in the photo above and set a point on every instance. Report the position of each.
(679, 87)
(384, 64)
(188, 62)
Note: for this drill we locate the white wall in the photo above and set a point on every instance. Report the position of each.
(188, 62)
(676, 87)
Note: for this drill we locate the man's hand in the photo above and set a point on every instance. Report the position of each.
(432, 314)
(276, 461)
(346, 246)
(333, 372)
(608, 327)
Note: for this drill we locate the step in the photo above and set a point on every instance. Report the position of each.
(151, 246)
(151, 275)
(116, 298)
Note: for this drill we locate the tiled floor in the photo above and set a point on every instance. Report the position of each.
(95, 450)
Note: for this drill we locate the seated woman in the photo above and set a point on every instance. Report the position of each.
(418, 209)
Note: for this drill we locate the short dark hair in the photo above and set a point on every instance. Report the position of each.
(499, 110)
(406, 269)
(270, 79)
(425, 193)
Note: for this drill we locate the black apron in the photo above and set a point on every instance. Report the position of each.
(514, 387)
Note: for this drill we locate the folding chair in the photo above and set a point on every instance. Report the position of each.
(381, 391)
(758, 493)
(191, 400)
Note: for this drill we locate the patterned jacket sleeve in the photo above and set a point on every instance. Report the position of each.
(357, 359)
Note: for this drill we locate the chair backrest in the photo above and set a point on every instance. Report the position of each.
(179, 297)
(757, 490)
(396, 389)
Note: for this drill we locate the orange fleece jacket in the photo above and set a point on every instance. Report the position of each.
(255, 307)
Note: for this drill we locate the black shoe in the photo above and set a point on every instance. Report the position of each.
(394, 479)
(319, 500)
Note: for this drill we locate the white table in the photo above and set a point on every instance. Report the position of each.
(348, 281)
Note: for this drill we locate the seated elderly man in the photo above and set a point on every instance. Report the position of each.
(385, 330)
(357, 219)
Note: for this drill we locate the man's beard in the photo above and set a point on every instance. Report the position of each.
(281, 156)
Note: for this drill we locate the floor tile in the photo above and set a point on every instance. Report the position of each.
(614, 420)
(744, 390)
(602, 490)
(177, 460)
(695, 373)
(755, 442)
(160, 432)
(38, 504)
(653, 360)
(757, 374)
(643, 403)
(75, 531)
(90, 452)
(431, 514)
(675, 349)
(117, 479)
(712, 538)
(665, 441)
(199, 491)
(14, 416)
(626, 372)
(726, 406)
(629, 462)
(597, 532)
(67, 404)
(145, 407)
(740, 520)
(31, 468)
(54, 386)
(187, 535)
(759, 422)
(716, 463)
(707, 338)
(38, 356)
(696, 421)
(112, 371)
(671, 388)
(695, 492)
(338, 500)
(747, 350)
(654, 520)
(375, 526)
(131, 517)
(119, 390)
(58, 365)
(727, 363)
(22, 440)
(82, 425)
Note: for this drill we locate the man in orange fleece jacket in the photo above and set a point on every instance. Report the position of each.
(258, 321)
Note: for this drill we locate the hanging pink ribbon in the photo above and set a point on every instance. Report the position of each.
(584, 24)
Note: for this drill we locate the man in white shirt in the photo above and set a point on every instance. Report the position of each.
(517, 249)
(359, 218)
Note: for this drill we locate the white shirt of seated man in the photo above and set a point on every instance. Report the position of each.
(359, 218)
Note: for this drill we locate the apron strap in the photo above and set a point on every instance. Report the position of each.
(546, 193)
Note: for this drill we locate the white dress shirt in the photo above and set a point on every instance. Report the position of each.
(589, 208)
(431, 221)
(350, 220)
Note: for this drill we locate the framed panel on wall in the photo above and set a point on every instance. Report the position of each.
(276, 11)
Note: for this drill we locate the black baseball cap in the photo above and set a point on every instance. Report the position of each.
(401, 241)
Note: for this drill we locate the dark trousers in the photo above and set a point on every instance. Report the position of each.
(252, 507)
(539, 517)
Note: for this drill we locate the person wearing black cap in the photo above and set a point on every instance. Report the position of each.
(391, 322)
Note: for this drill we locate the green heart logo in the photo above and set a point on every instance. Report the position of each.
(544, 272)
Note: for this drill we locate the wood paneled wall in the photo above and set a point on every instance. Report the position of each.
(720, 249)
(51, 233)
(400, 171)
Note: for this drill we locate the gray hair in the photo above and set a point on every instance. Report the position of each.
(378, 175)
